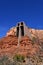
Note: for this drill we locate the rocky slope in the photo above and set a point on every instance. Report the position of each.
(27, 47)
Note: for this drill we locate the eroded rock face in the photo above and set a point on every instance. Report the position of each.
(12, 32)
(33, 32)
(32, 48)
(9, 44)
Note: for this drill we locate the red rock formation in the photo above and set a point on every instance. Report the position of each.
(9, 44)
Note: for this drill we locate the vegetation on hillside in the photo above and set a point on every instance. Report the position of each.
(21, 60)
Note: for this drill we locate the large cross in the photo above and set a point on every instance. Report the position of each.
(22, 30)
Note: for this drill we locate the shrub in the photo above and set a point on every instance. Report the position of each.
(4, 60)
(33, 40)
(19, 58)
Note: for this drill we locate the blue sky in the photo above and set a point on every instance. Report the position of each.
(13, 11)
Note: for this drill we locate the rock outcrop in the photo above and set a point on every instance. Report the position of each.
(31, 46)
(27, 47)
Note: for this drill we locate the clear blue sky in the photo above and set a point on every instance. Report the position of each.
(13, 11)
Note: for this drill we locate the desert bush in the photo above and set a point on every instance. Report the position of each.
(4, 60)
(33, 40)
(19, 58)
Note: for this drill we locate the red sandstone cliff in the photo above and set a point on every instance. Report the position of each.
(27, 47)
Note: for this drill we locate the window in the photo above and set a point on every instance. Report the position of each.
(17, 31)
(22, 30)
(18, 24)
(21, 23)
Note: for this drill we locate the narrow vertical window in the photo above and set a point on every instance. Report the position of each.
(22, 30)
(17, 31)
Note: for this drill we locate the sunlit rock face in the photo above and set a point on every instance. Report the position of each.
(12, 32)
(27, 47)
(27, 31)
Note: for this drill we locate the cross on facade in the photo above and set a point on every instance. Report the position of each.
(22, 30)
